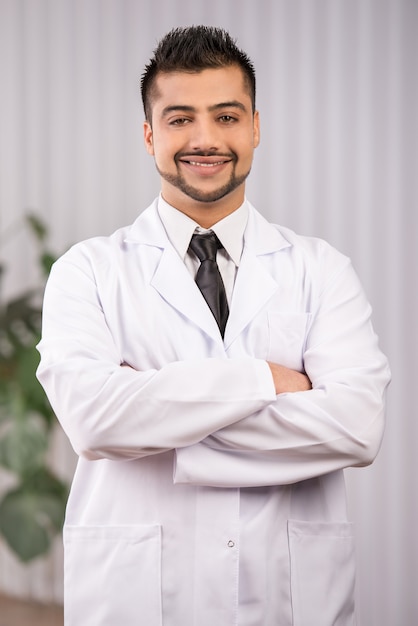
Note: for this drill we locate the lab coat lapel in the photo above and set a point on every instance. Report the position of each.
(175, 284)
(254, 285)
(170, 276)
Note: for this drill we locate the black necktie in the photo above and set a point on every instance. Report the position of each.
(208, 277)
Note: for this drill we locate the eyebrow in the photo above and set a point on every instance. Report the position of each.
(234, 104)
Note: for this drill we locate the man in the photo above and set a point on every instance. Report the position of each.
(212, 435)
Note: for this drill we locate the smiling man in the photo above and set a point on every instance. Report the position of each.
(215, 373)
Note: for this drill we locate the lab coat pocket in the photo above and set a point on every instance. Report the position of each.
(287, 337)
(322, 573)
(113, 575)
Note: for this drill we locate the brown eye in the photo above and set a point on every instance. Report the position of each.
(227, 119)
(180, 121)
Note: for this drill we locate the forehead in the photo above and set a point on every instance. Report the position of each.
(204, 88)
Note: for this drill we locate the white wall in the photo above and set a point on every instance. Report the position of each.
(337, 93)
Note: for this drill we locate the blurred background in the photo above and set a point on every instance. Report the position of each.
(337, 91)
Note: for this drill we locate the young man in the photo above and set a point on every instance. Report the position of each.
(212, 435)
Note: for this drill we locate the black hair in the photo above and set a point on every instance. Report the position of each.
(193, 49)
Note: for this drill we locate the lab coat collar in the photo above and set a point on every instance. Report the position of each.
(262, 236)
(175, 284)
(148, 229)
(171, 278)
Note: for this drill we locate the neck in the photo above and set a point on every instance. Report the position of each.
(206, 219)
(206, 214)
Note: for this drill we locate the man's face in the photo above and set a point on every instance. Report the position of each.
(202, 137)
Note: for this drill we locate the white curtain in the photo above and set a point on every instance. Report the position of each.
(337, 94)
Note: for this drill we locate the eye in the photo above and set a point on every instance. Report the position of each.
(179, 121)
(227, 119)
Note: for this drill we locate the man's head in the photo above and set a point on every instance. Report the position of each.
(193, 49)
(201, 125)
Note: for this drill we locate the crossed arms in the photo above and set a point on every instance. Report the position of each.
(231, 421)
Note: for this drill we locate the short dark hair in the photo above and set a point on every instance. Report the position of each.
(193, 49)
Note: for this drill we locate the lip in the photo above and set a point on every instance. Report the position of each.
(205, 166)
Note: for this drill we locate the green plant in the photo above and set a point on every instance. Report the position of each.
(32, 511)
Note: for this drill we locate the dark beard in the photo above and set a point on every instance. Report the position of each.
(196, 194)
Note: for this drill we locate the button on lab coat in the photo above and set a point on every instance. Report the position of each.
(201, 497)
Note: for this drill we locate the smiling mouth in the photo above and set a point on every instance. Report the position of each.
(199, 164)
(205, 161)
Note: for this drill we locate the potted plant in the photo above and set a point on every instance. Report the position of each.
(32, 510)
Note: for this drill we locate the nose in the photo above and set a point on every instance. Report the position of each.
(205, 136)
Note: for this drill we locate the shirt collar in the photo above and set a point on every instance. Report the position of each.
(180, 228)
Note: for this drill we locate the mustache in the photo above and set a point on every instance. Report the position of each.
(205, 153)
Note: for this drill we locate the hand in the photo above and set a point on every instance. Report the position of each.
(288, 380)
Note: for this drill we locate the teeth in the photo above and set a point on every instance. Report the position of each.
(205, 164)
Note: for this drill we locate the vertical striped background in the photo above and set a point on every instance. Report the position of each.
(337, 94)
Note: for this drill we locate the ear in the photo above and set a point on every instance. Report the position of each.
(256, 129)
(148, 139)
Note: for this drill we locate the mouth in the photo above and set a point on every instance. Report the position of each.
(205, 165)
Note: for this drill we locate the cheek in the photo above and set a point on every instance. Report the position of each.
(247, 150)
(164, 148)
(248, 141)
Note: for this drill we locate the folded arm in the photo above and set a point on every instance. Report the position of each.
(326, 418)
(287, 380)
(115, 412)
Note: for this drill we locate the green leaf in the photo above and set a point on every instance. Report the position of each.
(31, 514)
(37, 226)
(45, 482)
(23, 446)
(24, 523)
(20, 526)
(20, 319)
(20, 390)
(28, 360)
(47, 259)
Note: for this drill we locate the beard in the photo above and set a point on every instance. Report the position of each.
(178, 181)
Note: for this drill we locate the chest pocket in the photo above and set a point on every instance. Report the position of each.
(287, 338)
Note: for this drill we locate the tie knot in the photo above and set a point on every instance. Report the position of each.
(205, 246)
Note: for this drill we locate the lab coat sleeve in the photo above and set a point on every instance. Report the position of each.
(112, 411)
(337, 424)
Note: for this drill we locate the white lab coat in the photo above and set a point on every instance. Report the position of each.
(173, 448)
